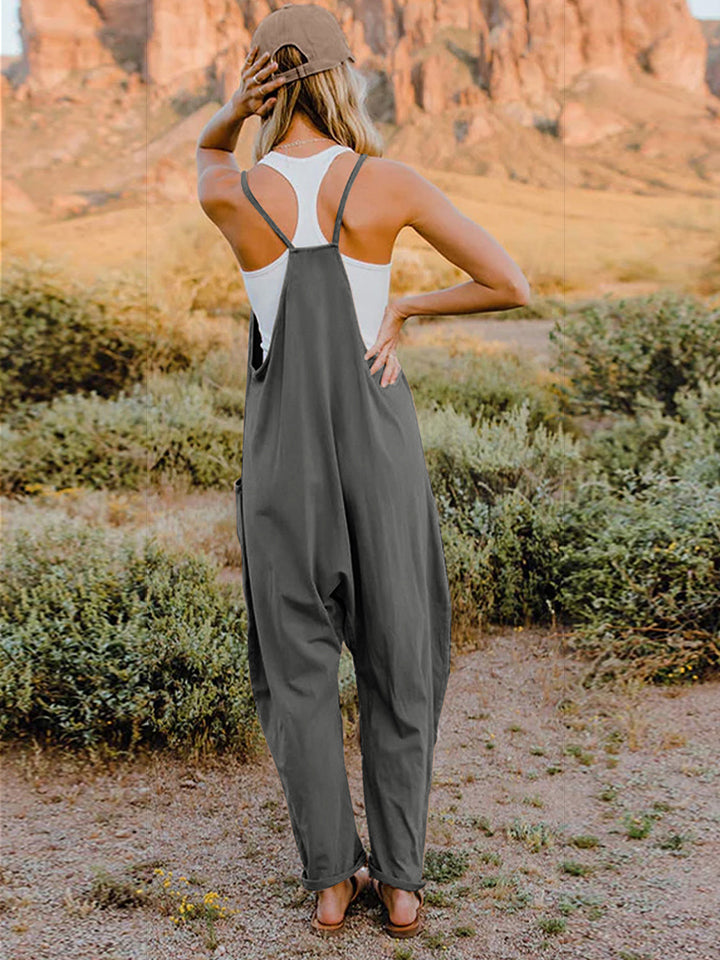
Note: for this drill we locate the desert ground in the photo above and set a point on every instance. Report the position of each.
(574, 824)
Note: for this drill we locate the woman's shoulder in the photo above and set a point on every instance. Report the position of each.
(391, 175)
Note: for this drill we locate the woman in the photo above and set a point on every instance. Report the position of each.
(338, 525)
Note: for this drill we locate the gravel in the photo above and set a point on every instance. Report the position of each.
(515, 711)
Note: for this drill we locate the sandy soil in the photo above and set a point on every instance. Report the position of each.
(526, 761)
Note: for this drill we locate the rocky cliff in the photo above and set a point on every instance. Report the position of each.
(711, 32)
(60, 38)
(610, 96)
(429, 56)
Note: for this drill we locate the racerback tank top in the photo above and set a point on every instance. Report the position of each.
(369, 282)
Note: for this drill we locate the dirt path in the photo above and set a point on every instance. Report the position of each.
(526, 760)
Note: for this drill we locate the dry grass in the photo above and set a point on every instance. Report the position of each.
(203, 522)
(567, 241)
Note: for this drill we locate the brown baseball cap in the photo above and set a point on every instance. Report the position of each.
(312, 29)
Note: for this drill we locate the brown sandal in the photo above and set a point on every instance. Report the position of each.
(399, 930)
(334, 928)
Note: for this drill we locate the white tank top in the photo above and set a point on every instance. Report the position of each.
(369, 282)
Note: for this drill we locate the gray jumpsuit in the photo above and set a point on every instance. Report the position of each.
(340, 541)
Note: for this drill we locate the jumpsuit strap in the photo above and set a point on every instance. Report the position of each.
(249, 194)
(341, 208)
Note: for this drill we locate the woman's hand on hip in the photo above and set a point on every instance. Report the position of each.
(250, 96)
(386, 344)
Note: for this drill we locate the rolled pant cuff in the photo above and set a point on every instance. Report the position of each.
(398, 882)
(337, 878)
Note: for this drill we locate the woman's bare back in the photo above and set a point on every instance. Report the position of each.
(387, 195)
(374, 213)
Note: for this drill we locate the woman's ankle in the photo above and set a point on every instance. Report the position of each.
(337, 887)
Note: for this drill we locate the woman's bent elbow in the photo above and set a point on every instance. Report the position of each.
(519, 293)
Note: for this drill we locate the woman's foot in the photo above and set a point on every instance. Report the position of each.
(402, 905)
(332, 902)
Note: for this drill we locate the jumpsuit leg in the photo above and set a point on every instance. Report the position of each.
(402, 664)
(294, 646)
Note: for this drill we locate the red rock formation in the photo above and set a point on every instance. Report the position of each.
(529, 49)
(711, 32)
(579, 126)
(517, 50)
(125, 30)
(14, 199)
(182, 49)
(435, 56)
(60, 37)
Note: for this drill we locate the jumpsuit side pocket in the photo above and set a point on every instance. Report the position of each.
(238, 509)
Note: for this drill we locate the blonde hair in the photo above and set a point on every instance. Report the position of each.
(333, 100)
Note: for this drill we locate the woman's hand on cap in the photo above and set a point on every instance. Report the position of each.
(252, 94)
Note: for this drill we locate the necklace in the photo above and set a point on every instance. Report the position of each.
(291, 143)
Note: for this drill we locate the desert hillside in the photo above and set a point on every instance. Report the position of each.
(539, 120)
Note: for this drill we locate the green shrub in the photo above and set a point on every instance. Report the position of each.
(653, 346)
(503, 565)
(631, 560)
(470, 465)
(126, 443)
(686, 445)
(499, 486)
(496, 486)
(479, 385)
(106, 644)
(471, 584)
(640, 577)
(222, 371)
(60, 337)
